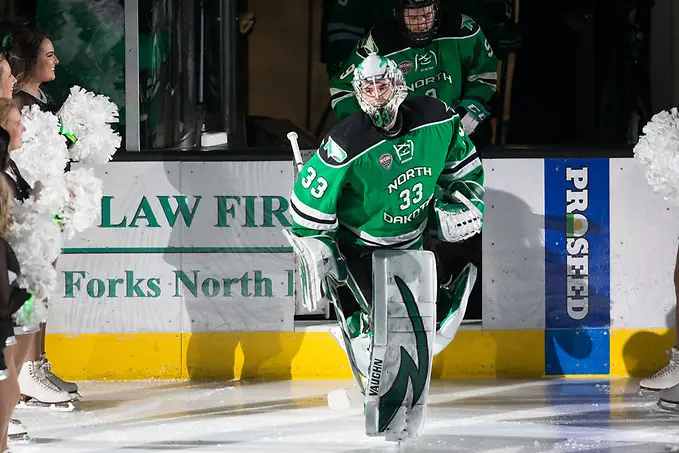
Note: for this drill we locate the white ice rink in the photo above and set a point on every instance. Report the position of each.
(293, 417)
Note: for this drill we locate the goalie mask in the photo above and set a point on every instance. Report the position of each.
(380, 89)
(419, 21)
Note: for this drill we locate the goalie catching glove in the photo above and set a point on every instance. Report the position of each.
(320, 264)
(459, 211)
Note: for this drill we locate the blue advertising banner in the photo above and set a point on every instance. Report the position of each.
(577, 266)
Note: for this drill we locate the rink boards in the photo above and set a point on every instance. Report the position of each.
(188, 276)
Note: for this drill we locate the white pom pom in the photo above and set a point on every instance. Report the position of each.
(83, 209)
(44, 153)
(88, 117)
(658, 153)
(37, 242)
(51, 195)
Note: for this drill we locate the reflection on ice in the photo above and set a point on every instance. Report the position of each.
(464, 416)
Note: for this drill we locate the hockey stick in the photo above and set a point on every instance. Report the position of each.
(353, 286)
(508, 77)
(292, 136)
(330, 289)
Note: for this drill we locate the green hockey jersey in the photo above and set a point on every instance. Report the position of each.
(458, 67)
(375, 191)
(348, 21)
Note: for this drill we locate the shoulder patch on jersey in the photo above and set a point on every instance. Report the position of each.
(457, 25)
(467, 22)
(333, 150)
(348, 139)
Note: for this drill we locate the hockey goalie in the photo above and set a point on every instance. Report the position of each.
(385, 184)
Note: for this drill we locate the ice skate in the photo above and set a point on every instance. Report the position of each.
(68, 387)
(17, 432)
(39, 392)
(664, 379)
(668, 399)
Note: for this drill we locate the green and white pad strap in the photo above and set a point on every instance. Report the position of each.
(319, 259)
(404, 319)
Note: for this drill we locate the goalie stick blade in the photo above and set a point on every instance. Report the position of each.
(343, 329)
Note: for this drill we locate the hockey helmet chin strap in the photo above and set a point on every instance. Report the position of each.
(380, 89)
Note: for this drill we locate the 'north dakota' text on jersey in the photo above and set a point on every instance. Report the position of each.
(374, 190)
(407, 176)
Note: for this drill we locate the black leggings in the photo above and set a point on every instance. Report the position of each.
(359, 262)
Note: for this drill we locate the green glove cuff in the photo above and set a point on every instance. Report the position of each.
(475, 109)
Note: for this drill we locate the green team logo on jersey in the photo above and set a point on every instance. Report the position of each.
(408, 371)
(335, 151)
(405, 151)
(467, 22)
(427, 61)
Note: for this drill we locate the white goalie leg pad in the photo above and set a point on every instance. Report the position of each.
(318, 259)
(404, 320)
(449, 327)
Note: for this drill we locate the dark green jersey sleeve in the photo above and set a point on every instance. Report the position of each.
(313, 204)
(479, 65)
(463, 163)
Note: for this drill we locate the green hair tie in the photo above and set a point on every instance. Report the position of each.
(5, 44)
(63, 130)
(28, 308)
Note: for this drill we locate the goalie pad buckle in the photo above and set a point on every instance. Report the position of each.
(404, 318)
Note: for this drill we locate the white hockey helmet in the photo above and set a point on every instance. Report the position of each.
(380, 89)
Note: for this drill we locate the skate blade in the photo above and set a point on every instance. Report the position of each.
(19, 439)
(667, 406)
(37, 405)
(643, 391)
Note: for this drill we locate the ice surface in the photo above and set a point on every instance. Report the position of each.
(293, 417)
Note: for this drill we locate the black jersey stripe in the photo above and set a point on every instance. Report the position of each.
(311, 218)
(468, 160)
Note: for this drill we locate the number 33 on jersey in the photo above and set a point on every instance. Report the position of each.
(374, 190)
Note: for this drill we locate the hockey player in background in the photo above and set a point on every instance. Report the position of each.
(375, 182)
(441, 53)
